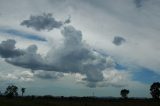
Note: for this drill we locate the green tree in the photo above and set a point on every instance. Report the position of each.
(155, 92)
(124, 93)
(11, 91)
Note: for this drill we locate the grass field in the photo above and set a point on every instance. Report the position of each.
(29, 101)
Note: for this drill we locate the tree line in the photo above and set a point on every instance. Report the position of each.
(12, 91)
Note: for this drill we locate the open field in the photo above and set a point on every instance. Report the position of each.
(32, 101)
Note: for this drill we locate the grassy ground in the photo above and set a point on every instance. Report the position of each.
(76, 102)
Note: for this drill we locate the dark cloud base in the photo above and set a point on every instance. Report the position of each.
(118, 40)
(44, 22)
(8, 50)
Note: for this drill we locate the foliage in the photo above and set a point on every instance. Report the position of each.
(124, 93)
(11, 91)
(23, 90)
(155, 92)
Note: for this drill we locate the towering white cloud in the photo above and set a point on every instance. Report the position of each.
(74, 56)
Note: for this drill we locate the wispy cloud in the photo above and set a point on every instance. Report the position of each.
(22, 34)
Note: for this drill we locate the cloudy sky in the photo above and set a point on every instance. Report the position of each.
(77, 47)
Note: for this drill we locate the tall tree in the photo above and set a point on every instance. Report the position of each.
(0, 93)
(23, 90)
(11, 91)
(155, 92)
(124, 93)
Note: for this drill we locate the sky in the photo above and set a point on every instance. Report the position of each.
(77, 47)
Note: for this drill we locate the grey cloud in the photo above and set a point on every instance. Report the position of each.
(30, 59)
(48, 75)
(43, 22)
(17, 75)
(73, 57)
(139, 3)
(112, 77)
(67, 21)
(94, 76)
(118, 40)
(91, 84)
(7, 49)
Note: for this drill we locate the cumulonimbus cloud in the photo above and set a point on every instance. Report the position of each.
(44, 22)
(73, 57)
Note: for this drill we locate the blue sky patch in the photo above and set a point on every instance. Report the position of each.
(120, 67)
(146, 75)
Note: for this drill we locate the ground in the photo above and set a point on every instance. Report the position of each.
(74, 101)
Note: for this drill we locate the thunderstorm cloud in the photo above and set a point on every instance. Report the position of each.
(72, 57)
